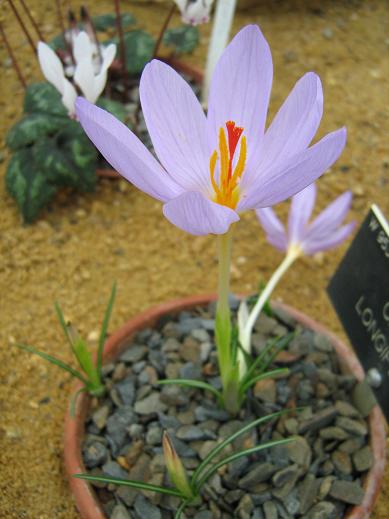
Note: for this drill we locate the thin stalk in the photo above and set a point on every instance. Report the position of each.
(163, 30)
(63, 29)
(122, 47)
(22, 25)
(31, 18)
(12, 56)
(88, 21)
(290, 257)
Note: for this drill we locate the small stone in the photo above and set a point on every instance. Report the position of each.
(245, 507)
(94, 455)
(300, 452)
(203, 413)
(327, 468)
(190, 350)
(266, 390)
(325, 487)
(322, 343)
(318, 421)
(346, 409)
(120, 512)
(171, 345)
(150, 404)
(100, 416)
(307, 491)
(135, 431)
(134, 353)
(120, 372)
(363, 459)
(291, 425)
(111, 468)
(270, 510)
(323, 510)
(342, 462)
(189, 370)
(203, 514)
(333, 433)
(352, 445)
(363, 398)
(192, 433)
(260, 472)
(173, 394)
(127, 495)
(116, 429)
(200, 335)
(126, 390)
(145, 509)
(352, 426)
(233, 496)
(154, 435)
(347, 491)
(285, 475)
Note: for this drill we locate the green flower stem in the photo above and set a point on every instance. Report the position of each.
(245, 334)
(228, 371)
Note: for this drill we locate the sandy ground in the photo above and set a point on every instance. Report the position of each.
(81, 244)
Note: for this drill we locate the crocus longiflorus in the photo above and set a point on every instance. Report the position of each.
(90, 84)
(301, 237)
(212, 168)
(194, 12)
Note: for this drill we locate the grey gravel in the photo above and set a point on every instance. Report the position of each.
(145, 509)
(347, 491)
(270, 510)
(120, 512)
(363, 459)
(260, 472)
(151, 404)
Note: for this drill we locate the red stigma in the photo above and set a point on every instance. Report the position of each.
(234, 132)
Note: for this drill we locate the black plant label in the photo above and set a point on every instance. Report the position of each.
(359, 292)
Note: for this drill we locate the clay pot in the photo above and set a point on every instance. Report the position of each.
(85, 498)
(179, 66)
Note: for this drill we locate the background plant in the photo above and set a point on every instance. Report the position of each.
(90, 372)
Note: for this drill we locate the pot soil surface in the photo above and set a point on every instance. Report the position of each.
(318, 475)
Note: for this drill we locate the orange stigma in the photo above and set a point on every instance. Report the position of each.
(227, 188)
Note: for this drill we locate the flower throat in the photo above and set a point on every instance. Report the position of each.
(227, 187)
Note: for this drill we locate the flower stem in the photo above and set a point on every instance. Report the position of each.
(163, 29)
(227, 366)
(245, 334)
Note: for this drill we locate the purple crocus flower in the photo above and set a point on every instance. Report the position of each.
(212, 168)
(324, 232)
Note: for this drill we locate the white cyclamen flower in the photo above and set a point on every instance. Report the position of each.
(90, 84)
(194, 12)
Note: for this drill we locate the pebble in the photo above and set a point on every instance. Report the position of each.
(150, 404)
(346, 409)
(342, 462)
(308, 491)
(94, 455)
(285, 475)
(134, 354)
(191, 371)
(145, 509)
(333, 433)
(300, 452)
(174, 395)
(266, 390)
(363, 459)
(260, 472)
(347, 491)
(319, 420)
(111, 468)
(352, 445)
(99, 417)
(352, 426)
(192, 432)
(323, 510)
(270, 510)
(126, 390)
(120, 512)
(245, 507)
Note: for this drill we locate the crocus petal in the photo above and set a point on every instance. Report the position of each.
(279, 184)
(197, 215)
(240, 87)
(331, 217)
(82, 47)
(295, 124)
(125, 152)
(273, 227)
(177, 125)
(330, 241)
(69, 96)
(51, 66)
(84, 76)
(300, 212)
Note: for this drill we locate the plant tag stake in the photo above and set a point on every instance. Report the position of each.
(359, 292)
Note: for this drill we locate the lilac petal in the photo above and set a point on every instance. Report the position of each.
(300, 212)
(125, 152)
(194, 213)
(274, 229)
(304, 168)
(295, 124)
(330, 241)
(240, 87)
(331, 217)
(177, 125)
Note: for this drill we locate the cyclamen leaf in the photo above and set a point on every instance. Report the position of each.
(106, 21)
(32, 128)
(139, 47)
(43, 97)
(182, 39)
(114, 107)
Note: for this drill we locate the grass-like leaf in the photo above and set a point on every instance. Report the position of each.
(55, 361)
(237, 455)
(63, 324)
(262, 376)
(104, 327)
(130, 483)
(279, 346)
(73, 400)
(198, 384)
(180, 509)
(214, 452)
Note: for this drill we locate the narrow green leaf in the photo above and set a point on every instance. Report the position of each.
(191, 383)
(180, 509)
(129, 483)
(85, 361)
(104, 327)
(214, 452)
(55, 361)
(280, 346)
(73, 400)
(240, 454)
(262, 376)
(62, 322)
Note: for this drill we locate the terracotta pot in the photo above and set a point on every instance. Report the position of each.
(192, 71)
(84, 495)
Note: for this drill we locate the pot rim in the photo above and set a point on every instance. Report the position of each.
(84, 495)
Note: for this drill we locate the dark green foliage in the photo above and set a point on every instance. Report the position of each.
(108, 21)
(50, 151)
(182, 39)
(139, 50)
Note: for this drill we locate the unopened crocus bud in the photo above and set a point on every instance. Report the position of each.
(175, 468)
